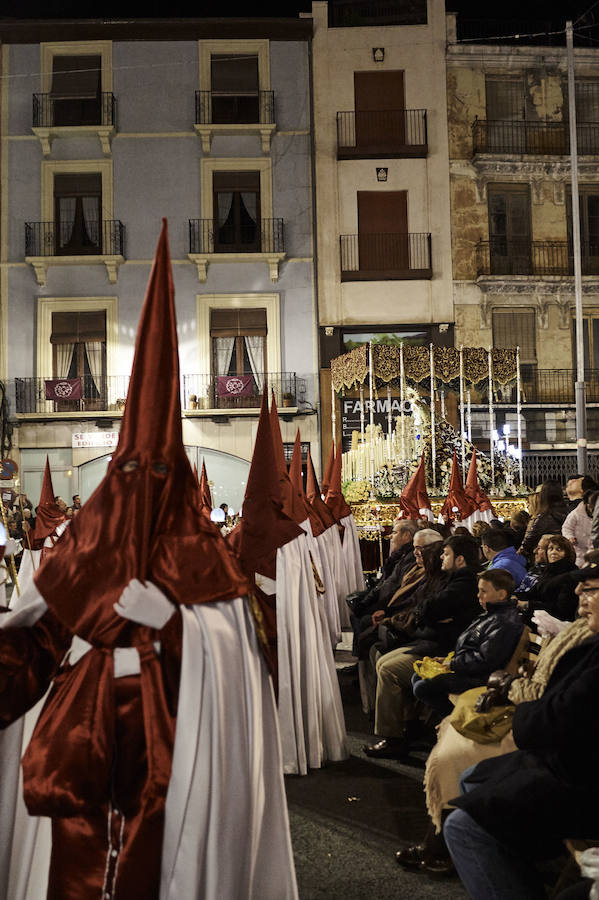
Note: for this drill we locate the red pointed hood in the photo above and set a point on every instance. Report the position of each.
(414, 496)
(295, 476)
(328, 472)
(205, 489)
(473, 488)
(457, 505)
(292, 505)
(314, 497)
(145, 519)
(264, 527)
(335, 499)
(48, 515)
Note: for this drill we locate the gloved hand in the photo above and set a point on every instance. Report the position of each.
(145, 604)
(548, 624)
(12, 547)
(498, 687)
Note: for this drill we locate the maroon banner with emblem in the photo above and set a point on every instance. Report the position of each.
(63, 389)
(234, 385)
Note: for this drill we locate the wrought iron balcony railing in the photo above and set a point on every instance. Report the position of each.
(381, 257)
(552, 138)
(108, 393)
(102, 238)
(546, 386)
(221, 108)
(207, 236)
(387, 132)
(502, 257)
(237, 391)
(49, 112)
(87, 393)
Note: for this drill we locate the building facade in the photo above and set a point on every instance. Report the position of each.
(511, 221)
(382, 180)
(106, 128)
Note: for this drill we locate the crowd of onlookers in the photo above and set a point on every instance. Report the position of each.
(21, 517)
(482, 647)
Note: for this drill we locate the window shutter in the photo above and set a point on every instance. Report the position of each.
(231, 322)
(234, 74)
(78, 327)
(78, 185)
(516, 328)
(76, 77)
(236, 181)
(505, 99)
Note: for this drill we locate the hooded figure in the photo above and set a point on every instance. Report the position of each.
(50, 522)
(351, 544)
(326, 478)
(310, 710)
(484, 511)
(205, 489)
(414, 500)
(143, 580)
(457, 506)
(324, 571)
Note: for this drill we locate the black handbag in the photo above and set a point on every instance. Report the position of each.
(355, 601)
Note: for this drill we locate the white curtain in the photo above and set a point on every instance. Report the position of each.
(90, 218)
(94, 358)
(67, 220)
(255, 351)
(64, 357)
(223, 350)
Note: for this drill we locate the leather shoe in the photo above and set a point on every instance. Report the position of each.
(387, 748)
(411, 857)
(438, 867)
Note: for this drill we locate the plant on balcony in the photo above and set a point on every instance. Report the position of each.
(193, 401)
(288, 399)
(120, 403)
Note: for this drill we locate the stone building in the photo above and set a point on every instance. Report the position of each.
(511, 224)
(106, 127)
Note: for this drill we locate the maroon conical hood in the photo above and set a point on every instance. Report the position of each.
(48, 515)
(292, 506)
(456, 496)
(473, 488)
(315, 499)
(328, 472)
(335, 499)
(414, 496)
(205, 489)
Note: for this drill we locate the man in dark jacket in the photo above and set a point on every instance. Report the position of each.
(441, 618)
(486, 645)
(519, 807)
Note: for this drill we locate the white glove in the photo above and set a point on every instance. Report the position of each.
(547, 624)
(145, 604)
(12, 547)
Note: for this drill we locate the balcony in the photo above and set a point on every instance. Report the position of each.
(534, 138)
(54, 118)
(382, 134)
(85, 396)
(48, 244)
(210, 242)
(361, 13)
(385, 257)
(237, 392)
(533, 258)
(235, 114)
(545, 386)
(88, 397)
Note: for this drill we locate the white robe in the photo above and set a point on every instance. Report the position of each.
(226, 825)
(352, 556)
(333, 541)
(310, 710)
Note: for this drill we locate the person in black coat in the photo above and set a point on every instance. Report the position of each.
(486, 645)
(552, 513)
(555, 588)
(519, 807)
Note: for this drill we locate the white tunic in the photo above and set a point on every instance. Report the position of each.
(226, 825)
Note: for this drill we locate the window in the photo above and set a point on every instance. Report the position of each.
(77, 214)
(236, 212)
(517, 328)
(505, 98)
(589, 227)
(239, 342)
(76, 90)
(590, 336)
(509, 229)
(235, 88)
(78, 342)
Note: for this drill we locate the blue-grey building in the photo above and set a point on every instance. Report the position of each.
(106, 127)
